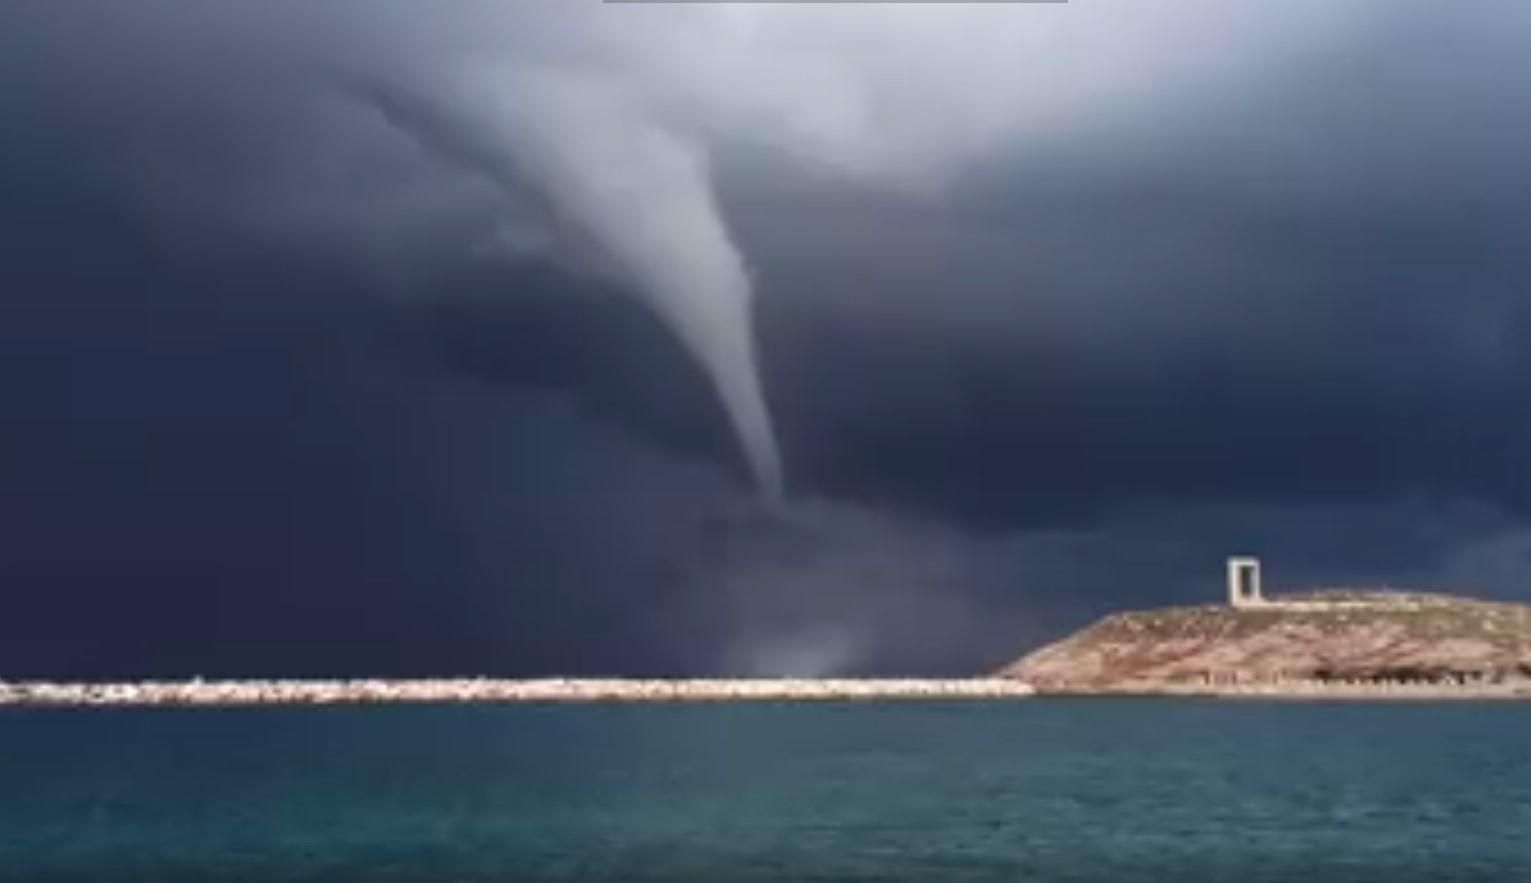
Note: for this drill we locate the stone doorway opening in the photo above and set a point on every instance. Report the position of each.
(1244, 581)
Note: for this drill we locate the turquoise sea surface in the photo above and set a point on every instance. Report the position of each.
(1033, 790)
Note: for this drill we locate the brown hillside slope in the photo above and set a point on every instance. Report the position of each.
(1322, 636)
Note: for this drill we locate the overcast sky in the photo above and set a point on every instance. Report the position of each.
(363, 337)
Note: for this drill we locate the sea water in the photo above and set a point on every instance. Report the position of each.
(1031, 790)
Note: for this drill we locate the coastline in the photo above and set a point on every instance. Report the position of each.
(1302, 691)
(332, 692)
(259, 693)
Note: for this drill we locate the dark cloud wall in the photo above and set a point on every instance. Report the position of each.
(1310, 290)
(279, 397)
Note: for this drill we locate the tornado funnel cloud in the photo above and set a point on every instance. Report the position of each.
(642, 195)
(645, 196)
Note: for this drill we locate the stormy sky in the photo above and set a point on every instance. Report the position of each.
(385, 338)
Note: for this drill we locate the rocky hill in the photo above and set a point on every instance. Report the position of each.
(1316, 638)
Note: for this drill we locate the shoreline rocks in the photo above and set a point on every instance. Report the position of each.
(280, 693)
(1302, 691)
(487, 690)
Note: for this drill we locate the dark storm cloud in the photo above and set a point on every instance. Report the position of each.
(1089, 303)
(1312, 291)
